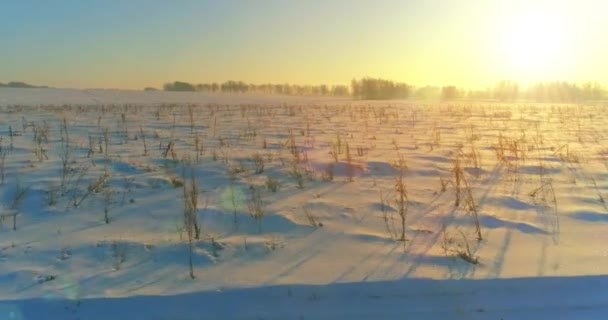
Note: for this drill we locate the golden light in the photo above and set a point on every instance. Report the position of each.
(537, 44)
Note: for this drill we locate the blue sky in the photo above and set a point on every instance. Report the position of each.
(136, 43)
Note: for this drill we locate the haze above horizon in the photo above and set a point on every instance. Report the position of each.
(137, 43)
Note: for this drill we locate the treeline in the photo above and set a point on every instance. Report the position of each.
(17, 84)
(551, 91)
(565, 91)
(267, 88)
(375, 89)
(366, 88)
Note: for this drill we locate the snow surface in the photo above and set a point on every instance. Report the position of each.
(537, 176)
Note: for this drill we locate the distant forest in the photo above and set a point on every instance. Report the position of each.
(380, 89)
(242, 87)
(16, 84)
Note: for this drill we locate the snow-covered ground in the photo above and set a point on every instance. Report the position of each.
(327, 246)
(42, 96)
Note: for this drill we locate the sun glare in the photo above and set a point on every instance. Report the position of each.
(537, 44)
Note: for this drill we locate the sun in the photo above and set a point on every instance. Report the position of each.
(536, 44)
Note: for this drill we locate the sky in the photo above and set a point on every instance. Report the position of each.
(136, 43)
